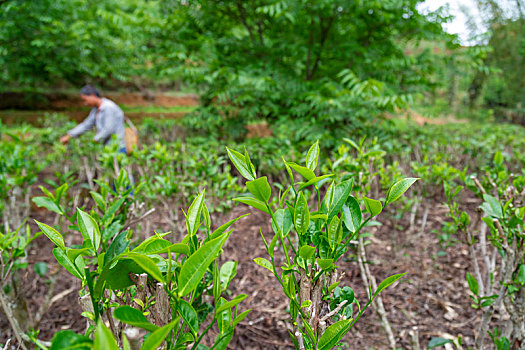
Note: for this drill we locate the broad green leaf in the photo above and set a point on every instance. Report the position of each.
(44, 202)
(227, 273)
(301, 215)
(112, 210)
(240, 317)
(97, 197)
(156, 338)
(312, 156)
(352, 143)
(283, 220)
(89, 228)
(341, 193)
(314, 181)
(133, 317)
(253, 202)
(305, 172)
(492, 206)
(239, 161)
(222, 341)
(335, 231)
(147, 264)
(223, 318)
(260, 188)
(398, 189)
(189, 315)
(230, 304)
(69, 340)
(438, 341)
(352, 215)
(53, 235)
(157, 245)
(333, 335)
(104, 339)
(306, 252)
(264, 263)
(326, 264)
(472, 284)
(110, 231)
(373, 207)
(117, 247)
(63, 260)
(196, 265)
(328, 198)
(387, 282)
(194, 214)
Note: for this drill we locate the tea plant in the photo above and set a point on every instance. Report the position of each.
(497, 256)
(312, 241)
(165, 296)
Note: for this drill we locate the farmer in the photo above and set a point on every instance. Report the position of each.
(105, 115)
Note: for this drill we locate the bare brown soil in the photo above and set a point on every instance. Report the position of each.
(431, 299)
(64, 101)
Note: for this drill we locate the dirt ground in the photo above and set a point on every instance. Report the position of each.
(430, 300)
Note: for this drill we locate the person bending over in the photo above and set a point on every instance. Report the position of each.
(105, 114)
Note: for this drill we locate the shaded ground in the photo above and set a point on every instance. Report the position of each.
(431, 299)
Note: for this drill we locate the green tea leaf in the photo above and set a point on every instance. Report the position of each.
(230, 304)
(44, 202)
(312, 156)
(492, 206)
(194, 214)
(398, 189)
(305, 172)
(89, 228)
(387, 282)
(260, 188)
(352, 215)
(341, 193)
(239, 318)
(437, 341)
(196, 265)
(133, 317)
(306, 252)
(301, 215)
(253, 202)
(69, 340)
(333, 334)
(156, 338)
(189, 315)
(53, 235)
(373, 207)
(264, 263)
(147, 264)
(63, 260)
(472, 284)
(104, 339)
(227, 273)
(326, 264)
(283, 219)
(117, 247)
(314, 181)
(239, 162)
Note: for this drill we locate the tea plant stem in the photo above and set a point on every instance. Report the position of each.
(474, 258)
(204, 333)
(19, 334)
(378, 301)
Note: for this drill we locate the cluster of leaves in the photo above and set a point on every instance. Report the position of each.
(182, 274)
(312, 242)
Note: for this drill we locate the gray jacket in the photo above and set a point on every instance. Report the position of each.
(109, 120)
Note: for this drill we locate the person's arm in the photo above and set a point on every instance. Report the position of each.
(81, 128)
(108, 124)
